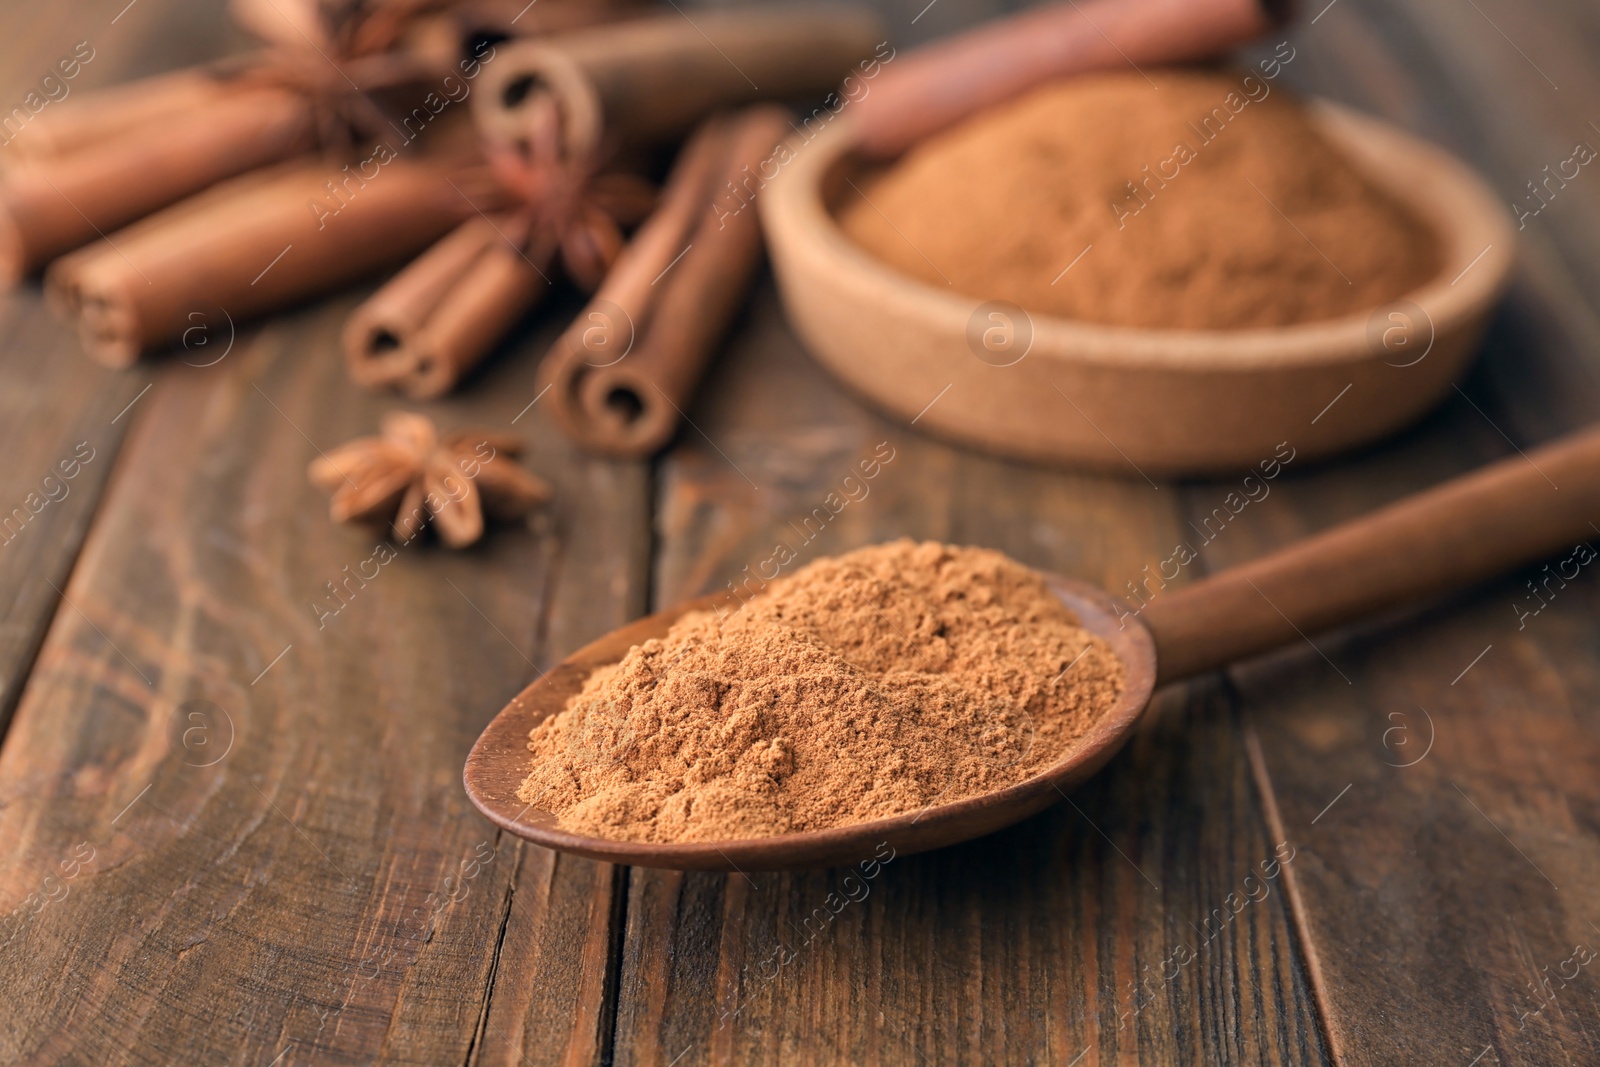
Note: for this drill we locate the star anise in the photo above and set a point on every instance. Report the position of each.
(411, 476)
(570, 209)
(341, 55)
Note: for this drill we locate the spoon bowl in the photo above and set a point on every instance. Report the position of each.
(500, 761)
(1463, 531)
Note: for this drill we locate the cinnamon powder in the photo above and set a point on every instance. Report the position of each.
(864, 686)
(1204, 201)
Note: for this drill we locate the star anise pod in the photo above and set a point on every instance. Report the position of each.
(411, 476)
(570, 208)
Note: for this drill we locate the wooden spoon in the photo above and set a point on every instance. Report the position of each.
(1512, 512)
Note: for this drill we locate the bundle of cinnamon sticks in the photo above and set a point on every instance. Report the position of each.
(112, 157)
(95, 167)
(248, 185)
(214, 194)
(423, 330)
(549, 114)
(622, 374)
(440, 316)
(87, 167)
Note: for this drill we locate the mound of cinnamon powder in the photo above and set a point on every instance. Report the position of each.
(1206, 201)
(866, 685)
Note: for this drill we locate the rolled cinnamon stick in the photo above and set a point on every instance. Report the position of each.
(437, 319)
(60, 281)
(446, 30)
(56, 204)
(105, 114)
(255, 245)
(622, 374)
(501, 287)
(379, 334)
(651, 79)
(288, 22)
(460, 28)
(937, 86)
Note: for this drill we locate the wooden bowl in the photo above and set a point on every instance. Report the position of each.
(1163, 401)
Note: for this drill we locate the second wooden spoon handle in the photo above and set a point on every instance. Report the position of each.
(1520, 509)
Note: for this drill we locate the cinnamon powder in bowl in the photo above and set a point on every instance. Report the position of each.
(1206, 201)
(865, 686)
(1022, 299)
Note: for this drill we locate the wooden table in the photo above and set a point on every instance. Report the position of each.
(231, 835)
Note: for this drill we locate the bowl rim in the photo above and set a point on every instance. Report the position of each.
(1475, 234)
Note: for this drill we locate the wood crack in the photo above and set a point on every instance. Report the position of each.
(494, 961)
(1298, 914)
(611, 997)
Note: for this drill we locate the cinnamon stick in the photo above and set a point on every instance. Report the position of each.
(938, 85)
(651, 79)
(459, 28)
(501, 287)
(98, 163)
(621, 376)
(443, 314)
(379, 333)
(60, 281)
(437, 319)
(101, 115)
(136, 108)
(253, 245)
(55, 204)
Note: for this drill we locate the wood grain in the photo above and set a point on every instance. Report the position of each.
(56, 417)
(1445, 800)
(56, 407)
(311, 889)
(291, 900)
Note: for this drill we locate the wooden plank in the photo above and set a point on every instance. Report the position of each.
(59, 412)
(1450, 76)
(260, 803)
(1031, 946)
(1037, 932)
(58, 398)
(554, 995)
(1438, 763)
(59, 415)
(554, 985)
(1422, 883)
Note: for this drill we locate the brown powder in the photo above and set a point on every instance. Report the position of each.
(998, 208)
(866, 685)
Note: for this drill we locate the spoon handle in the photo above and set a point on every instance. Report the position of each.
(1521, 509)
